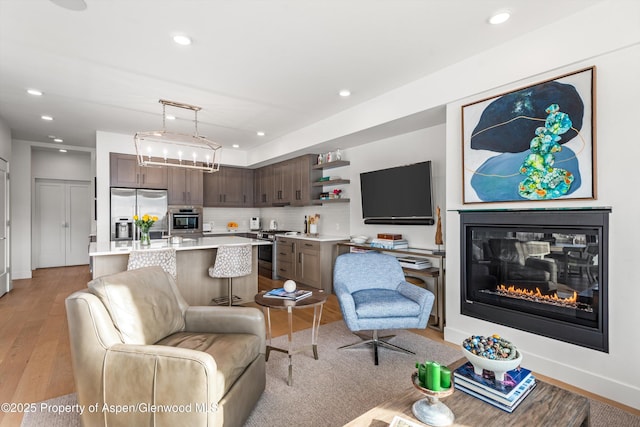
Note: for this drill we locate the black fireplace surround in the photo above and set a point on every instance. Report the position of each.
(543, 271)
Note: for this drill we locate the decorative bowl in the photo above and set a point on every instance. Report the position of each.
(359, 240)
(498, 366)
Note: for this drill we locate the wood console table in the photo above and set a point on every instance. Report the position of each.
(547, 405)
(436, 273)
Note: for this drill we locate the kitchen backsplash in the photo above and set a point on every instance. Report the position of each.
(334, 218)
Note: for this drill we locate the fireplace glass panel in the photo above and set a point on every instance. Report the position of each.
(554, 274)
(540, 271)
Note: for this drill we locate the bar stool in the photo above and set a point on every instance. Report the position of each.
(165, 258)
(231, 261)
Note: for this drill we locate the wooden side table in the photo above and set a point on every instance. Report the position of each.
(316, 301)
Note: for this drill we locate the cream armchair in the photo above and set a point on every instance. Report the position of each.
(145, 357)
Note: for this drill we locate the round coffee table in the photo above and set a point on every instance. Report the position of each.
(316, 301)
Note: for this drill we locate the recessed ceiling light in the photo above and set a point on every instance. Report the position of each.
(34, 92)
(260, 133)
(48, 118)
(62, 150)
(182, 40)
(170, 117)
(500, 17)
(344, 93)
(58, 140)
(236, 146)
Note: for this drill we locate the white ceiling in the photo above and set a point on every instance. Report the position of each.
(269, 65)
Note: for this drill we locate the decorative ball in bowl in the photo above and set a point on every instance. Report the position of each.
(491, 353)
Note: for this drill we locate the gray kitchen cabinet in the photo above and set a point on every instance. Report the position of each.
(303, 177)
(247, 188)
(237, 187)
(307, 261)
(229, 187)
(285, 259)
(287, 183)
(125, 172)
(185, 187)
(309, 266)
(263, 187)
(283, 183)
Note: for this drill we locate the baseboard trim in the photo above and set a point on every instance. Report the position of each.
(17, 274)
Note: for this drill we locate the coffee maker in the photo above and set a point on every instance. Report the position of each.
(123, 229)
(254, 224)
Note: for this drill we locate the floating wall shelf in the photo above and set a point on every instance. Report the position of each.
(331, 182)
(331, 165)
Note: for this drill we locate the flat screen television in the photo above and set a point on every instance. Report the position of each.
(399, 195)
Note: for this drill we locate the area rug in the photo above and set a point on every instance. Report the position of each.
(339, 386)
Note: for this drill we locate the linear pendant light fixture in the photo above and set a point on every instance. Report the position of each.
(177, 150)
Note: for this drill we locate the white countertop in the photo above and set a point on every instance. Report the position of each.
(216, 231)
(319, 238)
(188, 243)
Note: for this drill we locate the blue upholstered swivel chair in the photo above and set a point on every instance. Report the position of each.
(374, 295)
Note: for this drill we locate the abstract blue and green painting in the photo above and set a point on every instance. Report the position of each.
(528, 129)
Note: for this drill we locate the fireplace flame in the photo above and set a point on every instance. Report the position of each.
(520, 292)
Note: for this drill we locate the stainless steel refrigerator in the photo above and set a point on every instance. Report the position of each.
(127, 202)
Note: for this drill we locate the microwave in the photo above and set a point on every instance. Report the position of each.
(185, 220)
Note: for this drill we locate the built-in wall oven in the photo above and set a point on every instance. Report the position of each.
(267, 254)
(185, 220)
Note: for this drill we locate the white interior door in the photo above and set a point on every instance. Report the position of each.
(5, 277)
(62, 223)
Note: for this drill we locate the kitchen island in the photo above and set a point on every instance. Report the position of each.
(194, 256)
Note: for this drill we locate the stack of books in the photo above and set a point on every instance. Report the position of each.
(280, 293)
(390, 241)
(505, 395)
(414, 263)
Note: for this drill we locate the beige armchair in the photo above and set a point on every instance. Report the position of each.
(145, 357)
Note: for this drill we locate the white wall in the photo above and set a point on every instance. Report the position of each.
(73, 166)
(21, 210)
(5, 141)
(617, 91)
(422, 145)
(47, 163)
(5, 153)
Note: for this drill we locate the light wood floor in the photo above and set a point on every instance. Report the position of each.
(35, 361)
